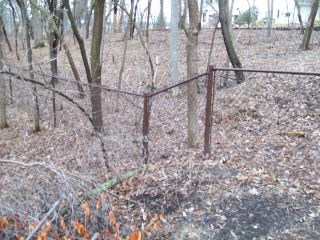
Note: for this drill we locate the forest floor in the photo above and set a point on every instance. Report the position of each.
(261, 182)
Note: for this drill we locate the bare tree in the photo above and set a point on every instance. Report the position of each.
(228, 42)
(34, 113)
(115, 16)
(148, 19)
(309, 28)
(162, 23)
(133, 21)
(296, 2)
(126, 37)
(65, 47)
(15, 28)
(182, 14)
(96, 64)
(88, 18)
(3, 115)
(53, 40)
(121, 21)
(36, 26)
(192, 71)
(270, 17)
(80, 41)
(4, 31)
(174, 45)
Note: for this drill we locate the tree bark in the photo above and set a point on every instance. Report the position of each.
(15, 29)
(37, 26)
(201, 12)
(53, 41)
(192, 71)
(126, 37)
(65, 47)
(133, 19)
(62, 24)
(183, 15)
(115, 17)
(96, 65)
(5, 33)
(307, 34)
(224, 20)
(3, 114)
(270, 17)
(34, 113)
(121, 20)
(299, 16)
(162, 23)
(88, 19)
(80, 41)
(148, 20)
(174, 46)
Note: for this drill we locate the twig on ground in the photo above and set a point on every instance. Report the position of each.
(43, 220)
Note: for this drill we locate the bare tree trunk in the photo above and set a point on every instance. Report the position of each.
(3, 114)
(227, 63)
(270, 17)
(16, 27)
(122, 3)
(299, 16)
(80, 41)
(62, 23)
(37, 26)
(148, 20)
(5, 33)
(133, 21)
(224, 20)
(53, 41)
(65, 47)
(182, 14)
(96, 65)
(88, 19)
(200, 14)
(115, 16)
(230, 10)
(309, 28)
(192, 71)
(126, 37)
(35, 114)
(162, 23)
(212, 41)
(174, 46)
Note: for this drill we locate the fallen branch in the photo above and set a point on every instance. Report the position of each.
(111, 183)
(43, 220)
(293, 134)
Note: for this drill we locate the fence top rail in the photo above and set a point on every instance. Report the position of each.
(267, 71)
(176, 85)
(82, 83)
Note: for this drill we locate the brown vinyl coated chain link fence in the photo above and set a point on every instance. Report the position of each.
(135, 127)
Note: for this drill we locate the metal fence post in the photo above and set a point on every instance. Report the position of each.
(209, 111)
(145, 128)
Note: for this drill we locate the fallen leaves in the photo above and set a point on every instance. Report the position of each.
(3, 223)
(80, 229)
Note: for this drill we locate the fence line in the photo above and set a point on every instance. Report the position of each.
(145, 100)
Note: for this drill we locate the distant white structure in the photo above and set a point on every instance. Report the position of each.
(305, 6)
(284, 13)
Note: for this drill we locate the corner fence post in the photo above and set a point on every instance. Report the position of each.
(145, 128)
(209, 110)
